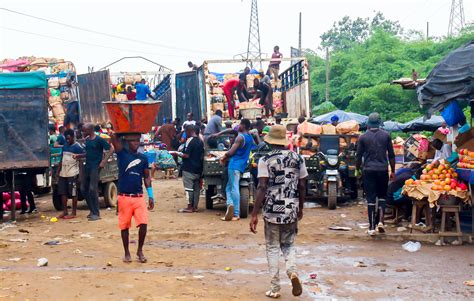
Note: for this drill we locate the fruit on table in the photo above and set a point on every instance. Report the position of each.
(466, 159)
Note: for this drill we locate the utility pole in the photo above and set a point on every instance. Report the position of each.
(299, 38)
(456, 18)
(254, 51)
(327, 74)
(427, 31)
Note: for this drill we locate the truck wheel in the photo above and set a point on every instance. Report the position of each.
(210, 192)
(57, 203)
(354, 188)
(110, 194)
(332, 195)
(244, 202)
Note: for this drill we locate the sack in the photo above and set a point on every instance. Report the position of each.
(217, 106)
(53, 82)
(52, 100)
(53, 92)
(309, 128)
(63, 81)
(217, 90)
(137, 78)
(58, 110)
(250, 78)
(121, 97)
(276, 95)
(128, 79)
(347, 127)
(65, 95)
(329, 129)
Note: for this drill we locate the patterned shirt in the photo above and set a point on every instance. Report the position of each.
(284, 169)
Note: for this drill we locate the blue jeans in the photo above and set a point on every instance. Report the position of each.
(232, 191)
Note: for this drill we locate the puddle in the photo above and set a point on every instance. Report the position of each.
(167, 244)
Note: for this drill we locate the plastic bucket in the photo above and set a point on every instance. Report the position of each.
(132, 116)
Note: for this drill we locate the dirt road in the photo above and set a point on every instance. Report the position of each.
(188, 254)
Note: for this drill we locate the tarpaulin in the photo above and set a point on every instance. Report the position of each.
(23, 80)
(392, 126)
(343, 116)
(452, 78)
(422, 124)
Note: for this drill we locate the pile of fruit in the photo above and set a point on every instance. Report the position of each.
(466, 159)
(442, 177)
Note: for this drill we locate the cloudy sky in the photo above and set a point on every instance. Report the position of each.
(173, 32)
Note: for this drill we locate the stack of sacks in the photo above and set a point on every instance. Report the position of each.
(348, 127)
(277, 102)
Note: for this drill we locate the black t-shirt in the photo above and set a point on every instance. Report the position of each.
(195, 149)
(95, 151)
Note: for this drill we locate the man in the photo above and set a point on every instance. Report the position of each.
(95, 160)
(231, 85)
(394, 191)
(167, 133)
(133, 167)
(143, 91)
(130, 94)
(334, 120)
(193, 67)
(443, 150)
(52, 137)
(281, 189)
(60, 141)
(193, 155)
(266, 93)
(239, 155)
(189, 120)
(242, 92)
(68, 174)
(264, 78)
(274, 66)
(213, 127)
(121, 88)
(375, 147)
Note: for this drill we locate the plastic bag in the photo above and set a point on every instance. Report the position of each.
(453, 114)
(412, 246)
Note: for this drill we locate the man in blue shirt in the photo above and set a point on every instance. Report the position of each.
(143, 91)
(238, 156)
(133, 170)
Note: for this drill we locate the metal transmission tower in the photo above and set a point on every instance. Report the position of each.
(254, 51)
(456, 18)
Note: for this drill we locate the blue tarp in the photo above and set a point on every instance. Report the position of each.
(23, 80)
(343, 116)
(220, 76)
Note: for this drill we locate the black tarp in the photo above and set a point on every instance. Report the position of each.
(452, 78)
(420, 124)
(393, 126)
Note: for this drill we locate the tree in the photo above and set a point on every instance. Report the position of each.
(345, 33)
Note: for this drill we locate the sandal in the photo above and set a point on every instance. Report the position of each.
(274, 295)
(127, 260)
(185, 210)
(142, 259)
(235, 218)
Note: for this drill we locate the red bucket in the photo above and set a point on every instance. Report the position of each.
(132, 116)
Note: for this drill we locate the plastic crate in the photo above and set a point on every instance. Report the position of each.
(213, 168)
(312, 163)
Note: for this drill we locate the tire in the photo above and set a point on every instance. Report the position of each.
(210, 192)
(57, 203)
(110, 194)
(244, 202)
(332, 195)
(354, 188)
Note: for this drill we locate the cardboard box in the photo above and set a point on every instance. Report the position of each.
(465, 140)
(217, 106)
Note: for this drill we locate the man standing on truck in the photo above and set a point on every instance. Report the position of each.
(274, 66)
(68, 174)
(192, 66)
(193, 155)
(229, 87)
(376, 149)
(143, 91)
(133, 171)
(239, 156)
(266, 93)
(95, 160)
(281, 189)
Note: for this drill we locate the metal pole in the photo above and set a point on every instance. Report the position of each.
(327, 74)
(299, 39)
(427, 31)
(12, 198)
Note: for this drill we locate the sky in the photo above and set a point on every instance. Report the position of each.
(172, 33)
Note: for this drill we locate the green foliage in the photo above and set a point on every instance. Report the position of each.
(324, 108)
(366, 59)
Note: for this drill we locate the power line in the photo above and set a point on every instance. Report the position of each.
(91, 44)
(108, 34)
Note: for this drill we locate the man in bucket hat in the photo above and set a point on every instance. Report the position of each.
(376, 149)
(281, 189)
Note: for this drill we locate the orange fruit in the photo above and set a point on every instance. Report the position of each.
(447, 187)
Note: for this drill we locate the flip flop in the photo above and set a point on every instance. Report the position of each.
(126, 260)
(142, 259)
(69, 217)
(185, 210)
(229, 214)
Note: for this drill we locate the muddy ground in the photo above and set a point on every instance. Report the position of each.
(188, 255)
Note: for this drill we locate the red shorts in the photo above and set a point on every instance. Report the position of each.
(132, 206)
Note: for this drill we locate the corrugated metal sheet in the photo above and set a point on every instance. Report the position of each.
(94, 88)
(188, 98)
(166, 109)
(23, 129)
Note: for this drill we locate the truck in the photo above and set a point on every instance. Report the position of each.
(24, 149)
(194, 89)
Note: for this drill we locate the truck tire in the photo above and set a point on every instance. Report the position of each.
(244, 202)
(332, 195)
(210, 192)
(57, 203)
(110, 194)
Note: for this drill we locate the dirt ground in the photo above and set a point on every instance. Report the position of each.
(188, 255)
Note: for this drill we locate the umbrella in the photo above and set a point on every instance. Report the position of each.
(451, 78)
(420, 124)
(343, 116)
(392, 126)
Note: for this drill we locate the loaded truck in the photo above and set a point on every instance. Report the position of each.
(24, 149)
